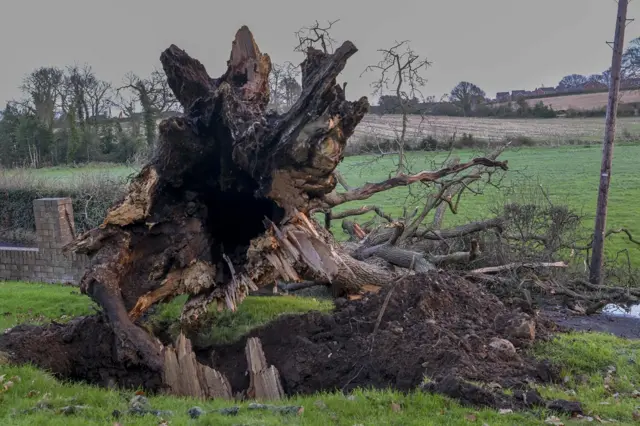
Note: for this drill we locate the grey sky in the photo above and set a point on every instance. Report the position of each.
(497, 44)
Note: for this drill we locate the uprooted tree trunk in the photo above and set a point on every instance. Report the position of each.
(224, 207)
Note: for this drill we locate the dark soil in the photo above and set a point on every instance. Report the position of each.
(82, 350)
(435, 325)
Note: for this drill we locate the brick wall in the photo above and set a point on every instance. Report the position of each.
(55, 227)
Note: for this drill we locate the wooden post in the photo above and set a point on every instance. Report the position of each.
(595, 275)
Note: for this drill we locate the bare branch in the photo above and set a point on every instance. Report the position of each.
(513, 266)
(311, 36)
(401, 67)
(402, 179)
(341, 180)
(362, 210)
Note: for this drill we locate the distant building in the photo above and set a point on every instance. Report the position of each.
(503, 96)
(518, 93)
(544, 91)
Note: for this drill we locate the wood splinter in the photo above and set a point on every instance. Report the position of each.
(183, 375)
(264, 379)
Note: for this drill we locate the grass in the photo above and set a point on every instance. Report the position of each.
(569, 174)
(579, 354)
(54, 176)
(227, 326)
(601, 370)
(37, 303)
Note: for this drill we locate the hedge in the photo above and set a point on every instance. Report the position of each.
(92, 195)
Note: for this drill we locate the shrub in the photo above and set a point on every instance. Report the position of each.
(92, 195)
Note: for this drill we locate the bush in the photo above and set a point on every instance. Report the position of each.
(92, 195)
(521, 140)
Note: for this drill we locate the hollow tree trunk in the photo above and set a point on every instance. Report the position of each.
(223, 207)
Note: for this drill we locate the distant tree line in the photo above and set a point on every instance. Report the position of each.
(68, 115)
(465, 100)
(468, 100)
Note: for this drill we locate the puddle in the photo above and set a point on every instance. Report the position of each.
(633, 311)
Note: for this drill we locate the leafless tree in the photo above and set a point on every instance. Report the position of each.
(152, 94)
(467, 96)
(401, 71)
(284, 88)
(42, 88)
(314, 36)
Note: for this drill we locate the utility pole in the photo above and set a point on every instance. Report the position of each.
(597, 260)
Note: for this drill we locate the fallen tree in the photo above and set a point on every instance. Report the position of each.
(225, 206)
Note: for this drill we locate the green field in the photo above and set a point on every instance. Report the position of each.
(582, 356)
(569, 175)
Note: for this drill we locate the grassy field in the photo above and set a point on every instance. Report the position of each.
(557, 131)
(583, 357)
(569, 174)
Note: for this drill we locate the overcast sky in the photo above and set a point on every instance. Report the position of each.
(499, 45)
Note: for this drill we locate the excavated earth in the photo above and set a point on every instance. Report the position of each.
(435, 325)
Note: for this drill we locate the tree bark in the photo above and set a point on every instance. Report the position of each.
(224, 207)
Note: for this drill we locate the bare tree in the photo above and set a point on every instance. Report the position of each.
(467, 96)
(284, 88)
(316, 36)
(154, 96)
(290, 88)
(400, 70)
(631, 59)
(98, 94)
(74, 93)
(572, 81)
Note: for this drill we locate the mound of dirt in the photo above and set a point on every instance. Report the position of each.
(82, 349)
(434, 325)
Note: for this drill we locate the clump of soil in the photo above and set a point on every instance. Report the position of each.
(435, 325)
(82, 349)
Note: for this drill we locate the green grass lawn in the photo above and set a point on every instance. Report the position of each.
(61, 174)
(583, 357)
(569, 174)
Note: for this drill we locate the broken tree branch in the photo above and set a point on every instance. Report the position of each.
(513, 266)
(360, 211)
(369, 189)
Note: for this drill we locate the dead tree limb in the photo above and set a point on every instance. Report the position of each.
(513, 266)
(362, 210)
(401, 179)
